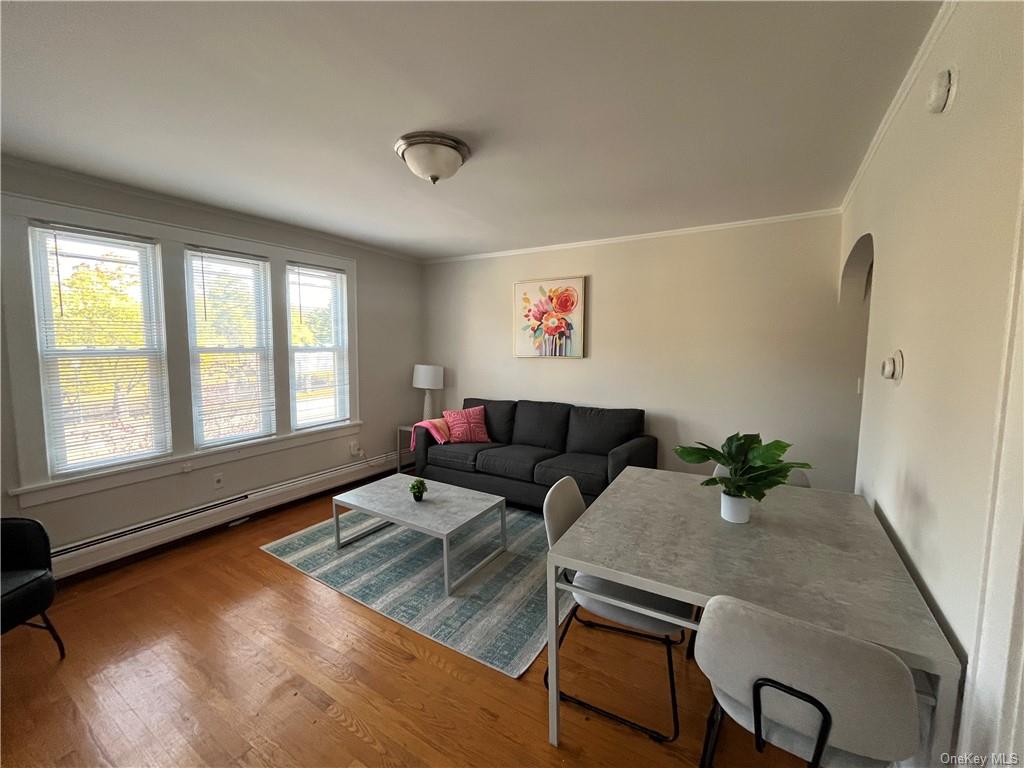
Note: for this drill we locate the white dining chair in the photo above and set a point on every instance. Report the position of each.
(563, 506)
(833, 700)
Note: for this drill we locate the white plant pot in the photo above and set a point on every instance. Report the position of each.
(736, 509)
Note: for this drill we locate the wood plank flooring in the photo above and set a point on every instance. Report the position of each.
(214, 653)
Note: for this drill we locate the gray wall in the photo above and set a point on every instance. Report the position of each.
(390, 338)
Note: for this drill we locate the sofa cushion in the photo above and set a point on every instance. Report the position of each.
(541, 424)
(588, 470)
(456, 455)
(499, 416)
(598, 430)
(515, 461)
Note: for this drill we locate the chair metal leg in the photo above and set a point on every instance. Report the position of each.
(667, 641)
(53, 633)
(48, 626)
(707, 755)
(697, 613)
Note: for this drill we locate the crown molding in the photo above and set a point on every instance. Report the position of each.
(644, 236)
(945, 13)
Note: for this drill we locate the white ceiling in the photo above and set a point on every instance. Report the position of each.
(586, 120)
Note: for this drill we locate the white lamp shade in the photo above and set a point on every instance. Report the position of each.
(428, 377)
(432, 162)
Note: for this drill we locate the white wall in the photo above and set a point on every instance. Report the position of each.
(390, 339)
(940, 198)
(711, 332)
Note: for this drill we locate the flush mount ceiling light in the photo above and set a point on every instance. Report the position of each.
(432, 156)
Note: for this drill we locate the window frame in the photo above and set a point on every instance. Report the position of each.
(155, 350)
(266, 351)
(342, 397)
(35, 484)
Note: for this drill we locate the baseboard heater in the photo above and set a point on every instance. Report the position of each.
(90, 553)
(62, 551)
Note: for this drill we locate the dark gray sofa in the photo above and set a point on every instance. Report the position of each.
(536, 444)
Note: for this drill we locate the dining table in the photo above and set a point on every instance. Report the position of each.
(821, 556)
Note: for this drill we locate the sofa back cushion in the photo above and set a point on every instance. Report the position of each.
(499, 416)
(541, 424)
(598, 430)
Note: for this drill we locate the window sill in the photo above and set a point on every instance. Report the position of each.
(92, 482)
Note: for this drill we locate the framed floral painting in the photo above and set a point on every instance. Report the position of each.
(549, 318)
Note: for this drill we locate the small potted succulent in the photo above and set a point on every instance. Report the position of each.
(417, 488)
(750, 469)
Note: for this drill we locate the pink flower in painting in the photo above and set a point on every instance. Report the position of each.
(554, 324)
(564, 300)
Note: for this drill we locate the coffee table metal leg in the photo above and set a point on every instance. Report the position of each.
(449, 585)
(444, 559)
(337, 526)
(357, 536)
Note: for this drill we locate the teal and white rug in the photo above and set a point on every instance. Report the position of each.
(498, 616)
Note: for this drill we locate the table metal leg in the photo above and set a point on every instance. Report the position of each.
(444, 560)
(948, 689)
(553, 691)
(337, 525)
(450, 585)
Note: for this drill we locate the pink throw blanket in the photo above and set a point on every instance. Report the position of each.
(438, 429)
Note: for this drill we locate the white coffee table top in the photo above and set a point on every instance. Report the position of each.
(444, 509)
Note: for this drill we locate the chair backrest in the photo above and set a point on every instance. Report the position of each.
(562, 507)
(867, 690)
(797, 477)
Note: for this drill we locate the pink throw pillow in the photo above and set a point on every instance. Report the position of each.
(467, 426)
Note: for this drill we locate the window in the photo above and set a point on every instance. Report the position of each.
(317, 345)
(102, 354)
(231, 347)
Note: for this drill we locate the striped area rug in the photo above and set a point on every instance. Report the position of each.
(498, 616)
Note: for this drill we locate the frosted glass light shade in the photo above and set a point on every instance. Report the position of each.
(431, 155)
(432, 162)
(428, 377)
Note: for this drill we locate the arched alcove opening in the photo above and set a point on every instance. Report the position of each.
(858, 270)
(855, 285)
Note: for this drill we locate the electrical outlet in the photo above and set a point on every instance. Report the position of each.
(354, 448)
(218, 480)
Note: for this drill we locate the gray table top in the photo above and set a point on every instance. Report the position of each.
(820, 556)
(444, 509)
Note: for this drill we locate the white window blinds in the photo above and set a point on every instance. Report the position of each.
(102, 353)
(231, 347)
(317, 345)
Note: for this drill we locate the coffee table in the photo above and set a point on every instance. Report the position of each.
(444, 511)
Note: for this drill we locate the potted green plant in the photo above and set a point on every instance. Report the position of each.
(750, 469)
(417, 488)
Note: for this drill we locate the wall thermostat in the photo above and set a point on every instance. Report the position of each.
(892, 367)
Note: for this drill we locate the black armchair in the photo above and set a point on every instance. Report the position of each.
(28, 586)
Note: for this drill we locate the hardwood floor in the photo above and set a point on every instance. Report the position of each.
(215, 653)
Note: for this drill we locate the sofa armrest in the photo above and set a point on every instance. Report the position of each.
(639, 452)
(423, 441)
(25, 545)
